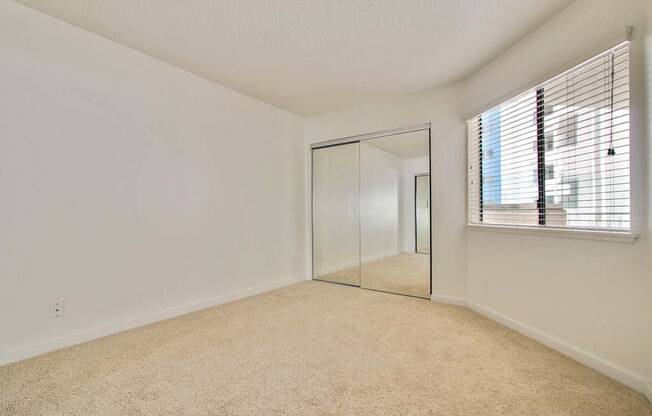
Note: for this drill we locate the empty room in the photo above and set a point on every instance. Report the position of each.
(302, 207)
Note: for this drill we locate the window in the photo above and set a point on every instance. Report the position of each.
(566, 131)
(550, 142)
(569, 196)
(550, 172)
(559, 152)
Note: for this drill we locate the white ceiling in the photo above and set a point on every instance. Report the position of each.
(406, 145)
(314, 56)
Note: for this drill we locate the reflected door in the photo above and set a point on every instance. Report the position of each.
(336, 213)
(422, 215)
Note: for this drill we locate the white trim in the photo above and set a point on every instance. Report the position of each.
(648, 391)
(611, 236)
(449, 300)
(332, 269)
(43, 347)
(618, 373)
(339, 267)
(381, 256)
(336, 268)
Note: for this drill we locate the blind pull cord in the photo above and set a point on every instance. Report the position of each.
(611, 151)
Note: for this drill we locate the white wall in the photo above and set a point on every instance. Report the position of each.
(131, 188)
(590, 295)
(380, 175)
(336, 208)
(589, 299)
(647, 181)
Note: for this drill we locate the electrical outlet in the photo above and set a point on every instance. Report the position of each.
(57, 309)
(485, 287)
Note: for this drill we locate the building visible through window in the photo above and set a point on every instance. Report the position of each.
(558, 154)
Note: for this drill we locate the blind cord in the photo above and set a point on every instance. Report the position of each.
(611, 151)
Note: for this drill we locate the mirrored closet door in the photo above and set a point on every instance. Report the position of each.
(371, 213)
(389, 214)
(336, 214)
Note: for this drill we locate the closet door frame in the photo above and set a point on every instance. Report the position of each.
(356, 139)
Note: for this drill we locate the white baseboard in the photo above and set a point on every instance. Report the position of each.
(339, 267)
(381, 256)
(618, 373)
(451, 300)
(28, 351)
(336, 268)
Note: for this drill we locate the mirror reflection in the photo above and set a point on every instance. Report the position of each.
(395, 214)
(422, 216)
(336, 214)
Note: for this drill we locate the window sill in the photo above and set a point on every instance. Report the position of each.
(610, 236)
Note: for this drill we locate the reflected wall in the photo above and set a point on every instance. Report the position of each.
(336, 214)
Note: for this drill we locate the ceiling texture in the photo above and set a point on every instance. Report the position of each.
(314, 56)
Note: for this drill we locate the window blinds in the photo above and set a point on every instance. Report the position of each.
(558, 154)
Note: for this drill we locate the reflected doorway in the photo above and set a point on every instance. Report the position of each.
(422, 213)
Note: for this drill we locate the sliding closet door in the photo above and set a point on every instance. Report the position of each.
(336, 214)
(389, 259)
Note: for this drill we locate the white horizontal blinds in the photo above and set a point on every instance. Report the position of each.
(558, 154)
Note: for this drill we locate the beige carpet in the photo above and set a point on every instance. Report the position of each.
(406, 273)
(315, 349)
(347, 276)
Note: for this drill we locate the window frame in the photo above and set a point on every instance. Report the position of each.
(544, 143)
